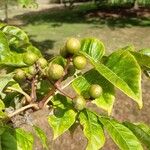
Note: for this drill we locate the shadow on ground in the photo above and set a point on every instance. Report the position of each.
(44, 46)
(112, 17)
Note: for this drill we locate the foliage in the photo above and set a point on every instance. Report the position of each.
(122, 69)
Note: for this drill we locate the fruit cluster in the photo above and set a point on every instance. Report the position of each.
(56, 72)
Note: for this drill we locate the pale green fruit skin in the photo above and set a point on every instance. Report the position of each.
(79, 62)
(19, 74)
(55, 71)
(79, 102)
(30, 58)
(32, 70)
(73, 46)
(95, 91)
(42, 62)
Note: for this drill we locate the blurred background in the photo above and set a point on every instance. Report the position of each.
(117, 23)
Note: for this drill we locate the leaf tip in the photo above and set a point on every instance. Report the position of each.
(140, 105)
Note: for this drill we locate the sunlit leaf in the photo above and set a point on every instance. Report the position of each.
(121, 135)
(123, 71)
(42, 136)
(61, 120)
(92, 130)
(82, 84)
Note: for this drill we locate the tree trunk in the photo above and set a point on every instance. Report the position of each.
(136, 6)
(6, 11)
(61, 1)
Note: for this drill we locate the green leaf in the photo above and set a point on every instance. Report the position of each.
(121, 135)
(14, 56)
(33, 49)
(4, 80)
(4, 47)
(2, 105)
(14, 86)
(43, 87)
(123, 71)
(2, 25)
(8, 57)
(61, 120)
(58, 60)
(143, 136)
(60, 101)
(82, 84)
(42, 136)
(92, 129)
(16, 32)
(6, 138)
(142, 57)
(2, 129)
(144, 127)
(24, 139)
(93, 47)
(16, 139)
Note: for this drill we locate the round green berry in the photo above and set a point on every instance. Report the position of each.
(55, 71)
(79, 62)
(73, 46)
(79, 102)
(30, 58)
(95, 91)
(32, 70)
(19, 74)
(42, 62)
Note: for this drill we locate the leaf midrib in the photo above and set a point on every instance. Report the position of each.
(118, 132)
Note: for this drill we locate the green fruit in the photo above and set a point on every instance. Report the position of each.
(42, 62)
(29, 76)
(73, 46)
(55, 71)
(79, 102)
(30, 58)
(79, 62)
(95, 91)
(32, 70)
(19, 74)
(63, 52)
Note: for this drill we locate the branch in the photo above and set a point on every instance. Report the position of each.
(50, 93)
(22, 109)
(33, 89)
(64, 93)
(47, 98)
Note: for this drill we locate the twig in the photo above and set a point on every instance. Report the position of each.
(46, 102)
(33, 90)
(64, 93)
(22, 109)
(42, 102)
(47, 98)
